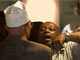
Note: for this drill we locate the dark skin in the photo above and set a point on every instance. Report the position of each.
(57, 44)
(48, 32)
(75, 36)
(77, 29)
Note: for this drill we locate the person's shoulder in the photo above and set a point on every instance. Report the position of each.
(40, 46)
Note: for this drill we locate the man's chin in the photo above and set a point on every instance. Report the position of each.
(48, 44)
(47, 41)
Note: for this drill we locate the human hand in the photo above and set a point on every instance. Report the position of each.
(57, 44)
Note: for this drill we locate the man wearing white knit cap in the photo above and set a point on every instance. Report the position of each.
(17, 46)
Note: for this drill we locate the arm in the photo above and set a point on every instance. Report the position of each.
(75, 36)
(57, 44)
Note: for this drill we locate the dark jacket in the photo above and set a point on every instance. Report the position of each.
(16, 49)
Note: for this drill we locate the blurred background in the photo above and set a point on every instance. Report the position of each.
(66, 12)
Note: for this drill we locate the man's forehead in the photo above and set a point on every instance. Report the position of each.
(48, 24)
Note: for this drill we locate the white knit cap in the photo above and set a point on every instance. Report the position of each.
(16, 15)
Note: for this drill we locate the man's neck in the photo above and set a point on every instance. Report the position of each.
(24, 38)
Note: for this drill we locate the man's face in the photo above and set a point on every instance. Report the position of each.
(48, 31)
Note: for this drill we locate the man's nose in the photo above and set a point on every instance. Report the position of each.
(47, 31)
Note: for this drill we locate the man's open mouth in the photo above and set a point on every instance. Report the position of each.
(47, 38)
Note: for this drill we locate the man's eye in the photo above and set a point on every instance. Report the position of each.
(42, 29)
(52, 28)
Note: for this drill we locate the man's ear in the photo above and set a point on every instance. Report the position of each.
(27, 27)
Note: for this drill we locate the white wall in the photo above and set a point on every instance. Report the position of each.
(38, 10)
(43, 10)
